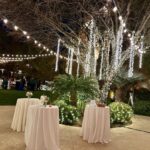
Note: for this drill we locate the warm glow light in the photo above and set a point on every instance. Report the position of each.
(120, 18)
(125, 30)
(124, 24)
(16, 28)
(35, 42)
(39, 45)
(28, 37)
(129, 35)
(5, 21)
(115, 9)
(24, 32)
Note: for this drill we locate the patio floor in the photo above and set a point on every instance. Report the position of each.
(132, 137)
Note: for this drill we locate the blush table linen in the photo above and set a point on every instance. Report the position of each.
(42, 128)
(20, 114)
(96, 124)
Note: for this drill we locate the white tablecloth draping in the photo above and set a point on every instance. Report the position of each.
(96, 124)
(42, 128)
(20, 114)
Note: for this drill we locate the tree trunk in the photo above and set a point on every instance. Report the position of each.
(104, 91)
(121, 94)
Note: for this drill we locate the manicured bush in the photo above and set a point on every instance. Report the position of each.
(142, 107)
(68, 114)
(121, 113)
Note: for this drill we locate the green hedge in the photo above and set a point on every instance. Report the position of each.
(9, 97)
(142, 107)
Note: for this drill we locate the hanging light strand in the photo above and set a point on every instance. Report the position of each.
(26, 34)
(57, 55)
(131, 59)
(141, 51)
(78, 58)
(101, 64)
(71, 61)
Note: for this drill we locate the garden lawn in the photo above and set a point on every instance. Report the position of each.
(9, 97)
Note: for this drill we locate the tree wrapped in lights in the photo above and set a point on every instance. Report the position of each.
(103, 29)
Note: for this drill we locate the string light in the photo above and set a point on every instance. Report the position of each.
(125, 30)
(120, 18)
(124, 24)
(115, 9)
(129, 35)
(35, 42)
(18, 56)
(28, 37)
(39, 45)
(5, 21)
(57, 55)
(24, 32)
(131, 60)
(16, 28)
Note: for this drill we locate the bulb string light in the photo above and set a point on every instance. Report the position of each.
(26, 56)
(120, 18)
(28, 36)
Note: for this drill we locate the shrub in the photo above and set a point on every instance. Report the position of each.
(121, 113)
(142, 107)
(142, 94)
(68, 114)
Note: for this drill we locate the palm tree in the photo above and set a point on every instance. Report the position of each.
(73, 85)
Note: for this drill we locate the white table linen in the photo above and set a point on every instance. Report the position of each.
(96, 124)
(20, 114)
(42, 128)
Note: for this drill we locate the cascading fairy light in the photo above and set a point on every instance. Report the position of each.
(88, 55)
(118, 51)
(141, 52)
(68, 61)
(78, 58)
(95, 60)
(131, 59)
(140, 59)
(101, 64)
(57, 55)
(71, 61)
(120, 40)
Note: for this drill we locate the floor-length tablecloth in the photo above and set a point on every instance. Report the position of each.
(42, 128)
(20, 114)
(96, 124)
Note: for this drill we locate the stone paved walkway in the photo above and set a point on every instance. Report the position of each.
(122, 138)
